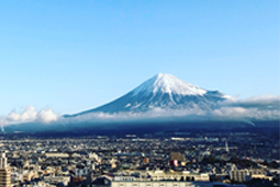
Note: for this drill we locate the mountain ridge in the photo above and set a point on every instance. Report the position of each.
(163, 91)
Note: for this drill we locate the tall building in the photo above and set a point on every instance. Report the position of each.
(5, 173)
(226, 145)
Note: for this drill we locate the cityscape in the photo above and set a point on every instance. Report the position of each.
(142, 93)
(175, 158)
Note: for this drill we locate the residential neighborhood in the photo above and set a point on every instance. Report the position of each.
(240, 158)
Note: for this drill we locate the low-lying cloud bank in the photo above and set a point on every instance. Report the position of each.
(30, 114)
(266, 107)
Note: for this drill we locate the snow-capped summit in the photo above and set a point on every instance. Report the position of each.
(167, 83)
(162, 91)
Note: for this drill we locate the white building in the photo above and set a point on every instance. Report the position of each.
(169, 184)
(5, 173)
(57, 155)
(180, 177)
(242, 175)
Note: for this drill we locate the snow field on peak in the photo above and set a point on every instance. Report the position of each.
(167, 83)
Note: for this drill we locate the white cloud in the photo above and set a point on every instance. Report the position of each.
(230, 112)
(265, 107)
(47, 116)
(30, 114)
(263, 101)
(154, 113)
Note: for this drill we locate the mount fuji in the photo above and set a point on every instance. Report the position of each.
(163, 91)
(163, 103)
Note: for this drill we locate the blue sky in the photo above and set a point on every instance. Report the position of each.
(75, 55)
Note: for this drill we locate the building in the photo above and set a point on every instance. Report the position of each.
(81, 171)
(5, 173)
(57, 155)
(226, 146)
(169, 184)
(124, 178)
(243, 175)
(105, 182)
(177, 156)
(54, 179)
(179, 177)
(239, 175)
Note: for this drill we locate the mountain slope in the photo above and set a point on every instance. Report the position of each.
(162, 91)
